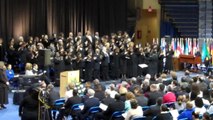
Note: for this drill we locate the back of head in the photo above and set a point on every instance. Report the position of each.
(189, 105)
(117, 97)
(199, 102)
(75, 92)
(129, 96)
(134, 103)
(96, 81)
(91, 92)
(164, 108)
(159, 101)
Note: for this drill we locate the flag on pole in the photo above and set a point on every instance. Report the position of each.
(190, 46)
(178, 47)
(194, 46)
(186, 47)
(205, 53)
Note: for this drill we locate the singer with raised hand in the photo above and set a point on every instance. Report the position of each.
(4, 83)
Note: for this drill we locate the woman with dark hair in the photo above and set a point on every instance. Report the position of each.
(165, 114)
(135, 110)
(29, 107)
(199, 106)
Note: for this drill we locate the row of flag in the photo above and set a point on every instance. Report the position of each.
(189, 46)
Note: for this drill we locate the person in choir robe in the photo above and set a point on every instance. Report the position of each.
(141, 60)
(123, 64)
(115, 62)
(153, 63)
(105, 64)
(22, 53)
(2, 50)
(89, 66)
(160, 62)
(11, 53)
(132, 63)
(59, 63)
(79, 64)
(169, 55)
(79, 37)
(97, 61)
(68, 60)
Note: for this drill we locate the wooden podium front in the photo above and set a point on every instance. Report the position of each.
(176, 64)
(67, 77)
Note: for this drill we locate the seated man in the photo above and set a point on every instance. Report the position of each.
(75, 99)
(90, 102)
(118, 105)
(188, 112)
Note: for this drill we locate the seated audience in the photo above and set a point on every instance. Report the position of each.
(28, 69)
(199, 106)
(154, 109)
(135, 110)
(118, 105)
(129, 97)
(164, 114)
(187, 113)
(169, 96)
(180, 104)
(9, 72)
(141, 99)
(88, 103)
(69, 92)
(75, 99)
(108, 99)
(99, 93)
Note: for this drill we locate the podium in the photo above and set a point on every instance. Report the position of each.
(176, 64)
(67, 77)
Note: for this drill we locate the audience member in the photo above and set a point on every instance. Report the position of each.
(118, 105)
(164, 114)
(135, 110)
(154, 109)
(187, 113)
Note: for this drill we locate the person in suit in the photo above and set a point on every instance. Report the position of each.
(90, 102)
(118, 105)
(154, 109)
(164, 114)
(3, 87)
(99, 92)
(53, 95)
(107, 100)
(75, 99)
(142, 100)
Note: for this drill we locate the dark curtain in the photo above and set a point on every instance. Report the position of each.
(37, 17)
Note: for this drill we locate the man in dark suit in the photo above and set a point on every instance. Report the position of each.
(107, 100)
(118, 105)
(75, 99)
(90, 102)
(154, 109)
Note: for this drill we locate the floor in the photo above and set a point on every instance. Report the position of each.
(11, 113)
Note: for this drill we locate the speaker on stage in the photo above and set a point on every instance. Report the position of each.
(44, 57)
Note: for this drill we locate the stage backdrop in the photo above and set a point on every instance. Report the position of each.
(36, 17)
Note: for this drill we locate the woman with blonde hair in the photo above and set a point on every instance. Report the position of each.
(29, 69)
(129, 97)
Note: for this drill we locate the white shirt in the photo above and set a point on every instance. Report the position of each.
(134, 112)
(29, 72)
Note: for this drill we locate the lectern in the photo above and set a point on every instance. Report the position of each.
(67, 77)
